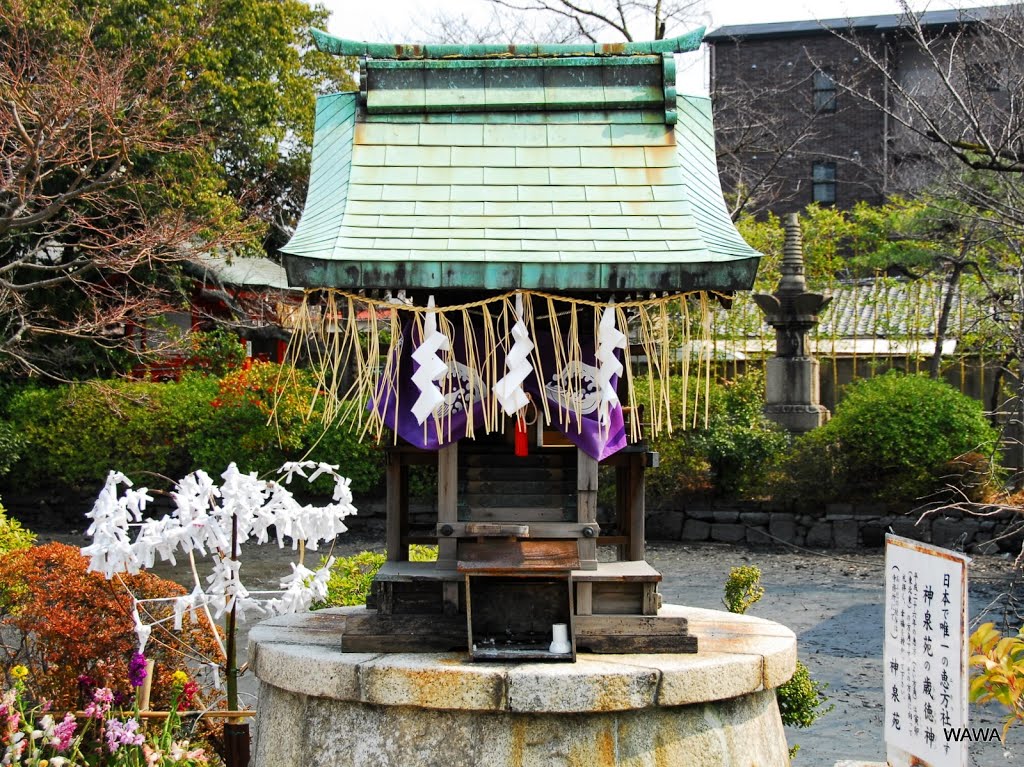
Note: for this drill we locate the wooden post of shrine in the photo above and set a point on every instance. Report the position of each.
(448, 511)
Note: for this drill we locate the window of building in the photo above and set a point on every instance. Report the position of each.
(823, 182)
(824, 91)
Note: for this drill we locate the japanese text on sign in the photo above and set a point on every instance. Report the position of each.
(925, 651)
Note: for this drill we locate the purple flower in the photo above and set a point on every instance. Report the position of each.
(137, 670)
(123, 734)
(86, 684)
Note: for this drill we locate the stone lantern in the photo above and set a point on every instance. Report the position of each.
(793, 394)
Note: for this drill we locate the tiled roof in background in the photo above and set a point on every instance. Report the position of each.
(865, 309)
(240, 272)
(878, 23)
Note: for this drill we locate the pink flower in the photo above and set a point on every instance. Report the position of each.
(103, 695)
(180, 750)
(100, 705)
(64, 733)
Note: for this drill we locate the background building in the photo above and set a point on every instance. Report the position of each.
(804, 113)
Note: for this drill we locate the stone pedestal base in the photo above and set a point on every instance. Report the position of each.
(797, 419)
(321, 706)
(792, 394)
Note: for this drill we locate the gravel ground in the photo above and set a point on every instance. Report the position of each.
(832, 600)
(834, 603)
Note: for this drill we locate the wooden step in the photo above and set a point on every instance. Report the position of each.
(517, 474)
(633, 634)
(371, 632)
(619, 571)
(526, 514)
(534, 529)
(518, 500)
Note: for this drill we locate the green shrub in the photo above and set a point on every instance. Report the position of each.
(802, 699)
(12, 535)
(215, 352)
(12, 445)
(265, 414)
(743, 589)
(892, 438)
(729, 456)
(352, 577)
(74, 435)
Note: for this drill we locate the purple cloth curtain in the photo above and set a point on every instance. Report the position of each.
(465, 391)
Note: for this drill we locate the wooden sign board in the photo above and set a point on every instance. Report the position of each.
(925, 654)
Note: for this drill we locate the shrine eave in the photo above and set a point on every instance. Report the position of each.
(440, 275)
(341, 47)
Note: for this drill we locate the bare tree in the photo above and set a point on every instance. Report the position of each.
(566, 21)
(630, 19)
(502, 26)
(953, 90)
(761, 146)
(89, 143)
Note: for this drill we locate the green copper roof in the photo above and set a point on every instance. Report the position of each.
(698, 166)
(341, 47)
(583, 200)
(495, 85)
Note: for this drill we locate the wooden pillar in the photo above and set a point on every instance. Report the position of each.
(637, 492)
(403, 507)
(447, 501)
(448, 511)
(622, 523)
(396, 506)
(586, 506)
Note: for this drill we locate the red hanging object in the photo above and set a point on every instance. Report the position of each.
(522, 443)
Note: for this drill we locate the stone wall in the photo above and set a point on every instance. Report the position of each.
(836, 525)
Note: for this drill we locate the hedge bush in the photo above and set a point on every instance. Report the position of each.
(265, 414)
(259, 417)
(728, 456)
(73, 435)
(12, 535)
(892, 438)
(352, 577)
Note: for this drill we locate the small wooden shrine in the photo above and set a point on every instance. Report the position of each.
(498, 241)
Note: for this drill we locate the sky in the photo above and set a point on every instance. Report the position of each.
(402, 21)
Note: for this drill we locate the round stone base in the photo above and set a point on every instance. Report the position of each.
(321, 706)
